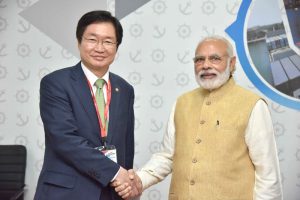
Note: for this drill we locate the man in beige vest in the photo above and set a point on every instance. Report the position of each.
(219, 143)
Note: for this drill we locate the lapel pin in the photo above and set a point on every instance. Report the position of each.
(117, 89)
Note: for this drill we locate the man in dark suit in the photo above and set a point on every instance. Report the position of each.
(85, 149)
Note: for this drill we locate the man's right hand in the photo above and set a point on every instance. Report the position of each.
(123, 182)
(135, 183)
(137, 186)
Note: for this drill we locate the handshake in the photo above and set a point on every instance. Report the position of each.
(127, 184)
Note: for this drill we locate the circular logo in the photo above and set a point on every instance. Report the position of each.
(284, 93)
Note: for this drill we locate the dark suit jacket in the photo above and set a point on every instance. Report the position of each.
(72, 168)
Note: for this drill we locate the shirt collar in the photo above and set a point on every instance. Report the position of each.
(91, 76)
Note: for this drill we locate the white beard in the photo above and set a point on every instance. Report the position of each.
(219, 80)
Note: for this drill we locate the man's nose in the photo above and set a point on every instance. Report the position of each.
(206, 64)
(99, 46)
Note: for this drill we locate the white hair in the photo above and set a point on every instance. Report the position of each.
(219, 38)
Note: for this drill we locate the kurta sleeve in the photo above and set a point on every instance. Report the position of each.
(260, 139)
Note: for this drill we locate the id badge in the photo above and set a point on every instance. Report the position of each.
(109, 151)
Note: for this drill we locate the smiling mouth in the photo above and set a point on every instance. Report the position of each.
(208, 75)
(98, 57)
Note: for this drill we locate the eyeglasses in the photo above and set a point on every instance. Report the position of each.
(106, 43)
(213, 59)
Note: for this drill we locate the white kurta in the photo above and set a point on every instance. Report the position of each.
(259, 137)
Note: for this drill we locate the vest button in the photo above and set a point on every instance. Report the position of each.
(192, 182)
(194, 160)
(198, 141)
(208, 103)
(202, 122)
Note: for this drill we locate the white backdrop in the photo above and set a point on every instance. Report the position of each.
(155, 57)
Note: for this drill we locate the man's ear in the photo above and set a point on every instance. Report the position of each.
(232, 64)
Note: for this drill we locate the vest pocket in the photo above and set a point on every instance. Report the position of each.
(172, 196)
(230, 198)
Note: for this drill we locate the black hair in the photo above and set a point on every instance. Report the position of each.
(99, 16)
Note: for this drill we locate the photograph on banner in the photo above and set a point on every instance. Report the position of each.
(292, 9)
(274, 58)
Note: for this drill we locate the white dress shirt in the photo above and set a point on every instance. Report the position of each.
(92, 78)
(259, 137)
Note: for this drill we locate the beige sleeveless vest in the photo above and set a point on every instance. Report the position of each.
(211, 160)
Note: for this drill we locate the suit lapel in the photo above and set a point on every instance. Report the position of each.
(113, 108)
(82, 90)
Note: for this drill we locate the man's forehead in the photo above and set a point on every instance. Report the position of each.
(211, 47)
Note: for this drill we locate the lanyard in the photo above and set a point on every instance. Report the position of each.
(103, 127)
